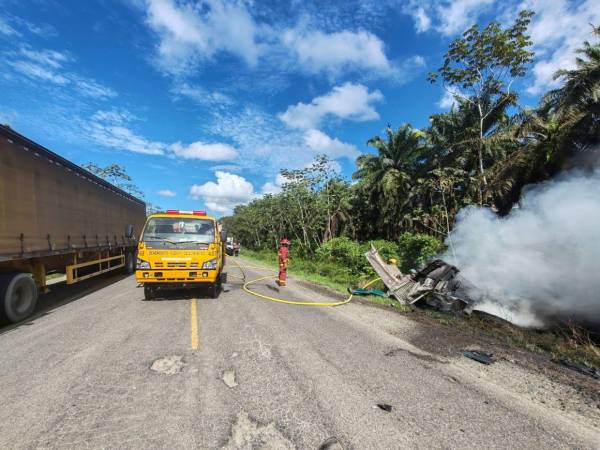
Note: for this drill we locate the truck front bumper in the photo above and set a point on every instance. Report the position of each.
(175, 276)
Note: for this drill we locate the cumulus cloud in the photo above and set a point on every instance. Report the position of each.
(557, 30)
(448, 99)
(348, 101)
(321, 143)
(457, 15)
(190, 33)
(167, 193)
(222, 196)
(275, 186)
(317, 51)
(447, 17)
(204, 151)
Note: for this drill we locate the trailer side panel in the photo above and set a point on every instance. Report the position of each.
(48, 205)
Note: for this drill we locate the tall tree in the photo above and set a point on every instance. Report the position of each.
(115, 174)
(480, 67)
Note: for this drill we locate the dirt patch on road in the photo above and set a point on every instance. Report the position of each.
(169, 365)
(249, 434)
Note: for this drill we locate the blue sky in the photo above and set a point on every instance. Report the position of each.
(203, 102)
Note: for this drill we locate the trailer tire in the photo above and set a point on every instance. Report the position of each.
(18, 296)
(129, 267)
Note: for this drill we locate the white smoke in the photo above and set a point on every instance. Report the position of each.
(540, 262)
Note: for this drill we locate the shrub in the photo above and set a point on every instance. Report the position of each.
(416, 249)
(386, 249)
(342, 251)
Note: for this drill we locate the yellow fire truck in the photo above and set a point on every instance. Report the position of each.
(181, 249)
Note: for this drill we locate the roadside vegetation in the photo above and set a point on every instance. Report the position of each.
(404, 197)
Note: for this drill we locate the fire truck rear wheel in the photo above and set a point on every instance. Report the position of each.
(18, 296)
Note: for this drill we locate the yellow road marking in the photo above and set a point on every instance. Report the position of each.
(194, 319)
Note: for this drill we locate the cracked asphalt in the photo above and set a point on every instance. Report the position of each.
(98, 367)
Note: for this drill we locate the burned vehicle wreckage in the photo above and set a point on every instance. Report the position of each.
(437, 284)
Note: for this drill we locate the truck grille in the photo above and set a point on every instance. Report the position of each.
(176, 265)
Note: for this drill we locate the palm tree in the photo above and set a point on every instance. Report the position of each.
(388, 175)
(580, 94)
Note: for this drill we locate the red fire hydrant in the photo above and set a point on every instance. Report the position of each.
(283, 261)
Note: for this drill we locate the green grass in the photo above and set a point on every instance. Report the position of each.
(569, 341)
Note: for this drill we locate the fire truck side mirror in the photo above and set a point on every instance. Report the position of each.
(223, 236)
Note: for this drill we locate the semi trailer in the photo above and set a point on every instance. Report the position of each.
(57, 217)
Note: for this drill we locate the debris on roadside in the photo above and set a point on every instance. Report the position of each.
(481, 357)
(581, 368)
(229, 378)
(362, 291)
(169, 365)
(437, 284)
(385, 407)
(331, 443)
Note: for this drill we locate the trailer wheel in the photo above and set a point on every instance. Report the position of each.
(18, 296)
(149, 292)
(129, 267)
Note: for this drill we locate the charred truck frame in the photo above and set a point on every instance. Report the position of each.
(56, 216)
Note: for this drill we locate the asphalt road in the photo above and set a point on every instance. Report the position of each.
(98, 367)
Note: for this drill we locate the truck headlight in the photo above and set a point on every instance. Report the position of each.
(212, 264)
(141, 264)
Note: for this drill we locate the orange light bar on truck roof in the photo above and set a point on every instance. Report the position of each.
(199, 213)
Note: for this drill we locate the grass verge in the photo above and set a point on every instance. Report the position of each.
(568, 341)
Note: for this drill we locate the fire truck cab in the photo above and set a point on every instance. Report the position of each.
(181, 249)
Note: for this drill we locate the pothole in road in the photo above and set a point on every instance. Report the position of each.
(229, 378)
(249, 434)
(169, 365)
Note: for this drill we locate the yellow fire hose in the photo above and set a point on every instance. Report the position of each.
(281, 300)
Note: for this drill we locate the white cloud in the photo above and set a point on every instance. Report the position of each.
(317, 51)
(201, 96)
(348, 101)
(448, 99)
(204, 151)
(228, 191)
(167, 193)
(108, 128)
(455, 16)
(321, 143)
(557, 30)
(6, 29)
(447, 17)
(111, 129)
(191, 32)
(48, 65)
(275, 186)
(33, 70)
(123, 138)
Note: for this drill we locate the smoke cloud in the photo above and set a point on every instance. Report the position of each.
(542, 261)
